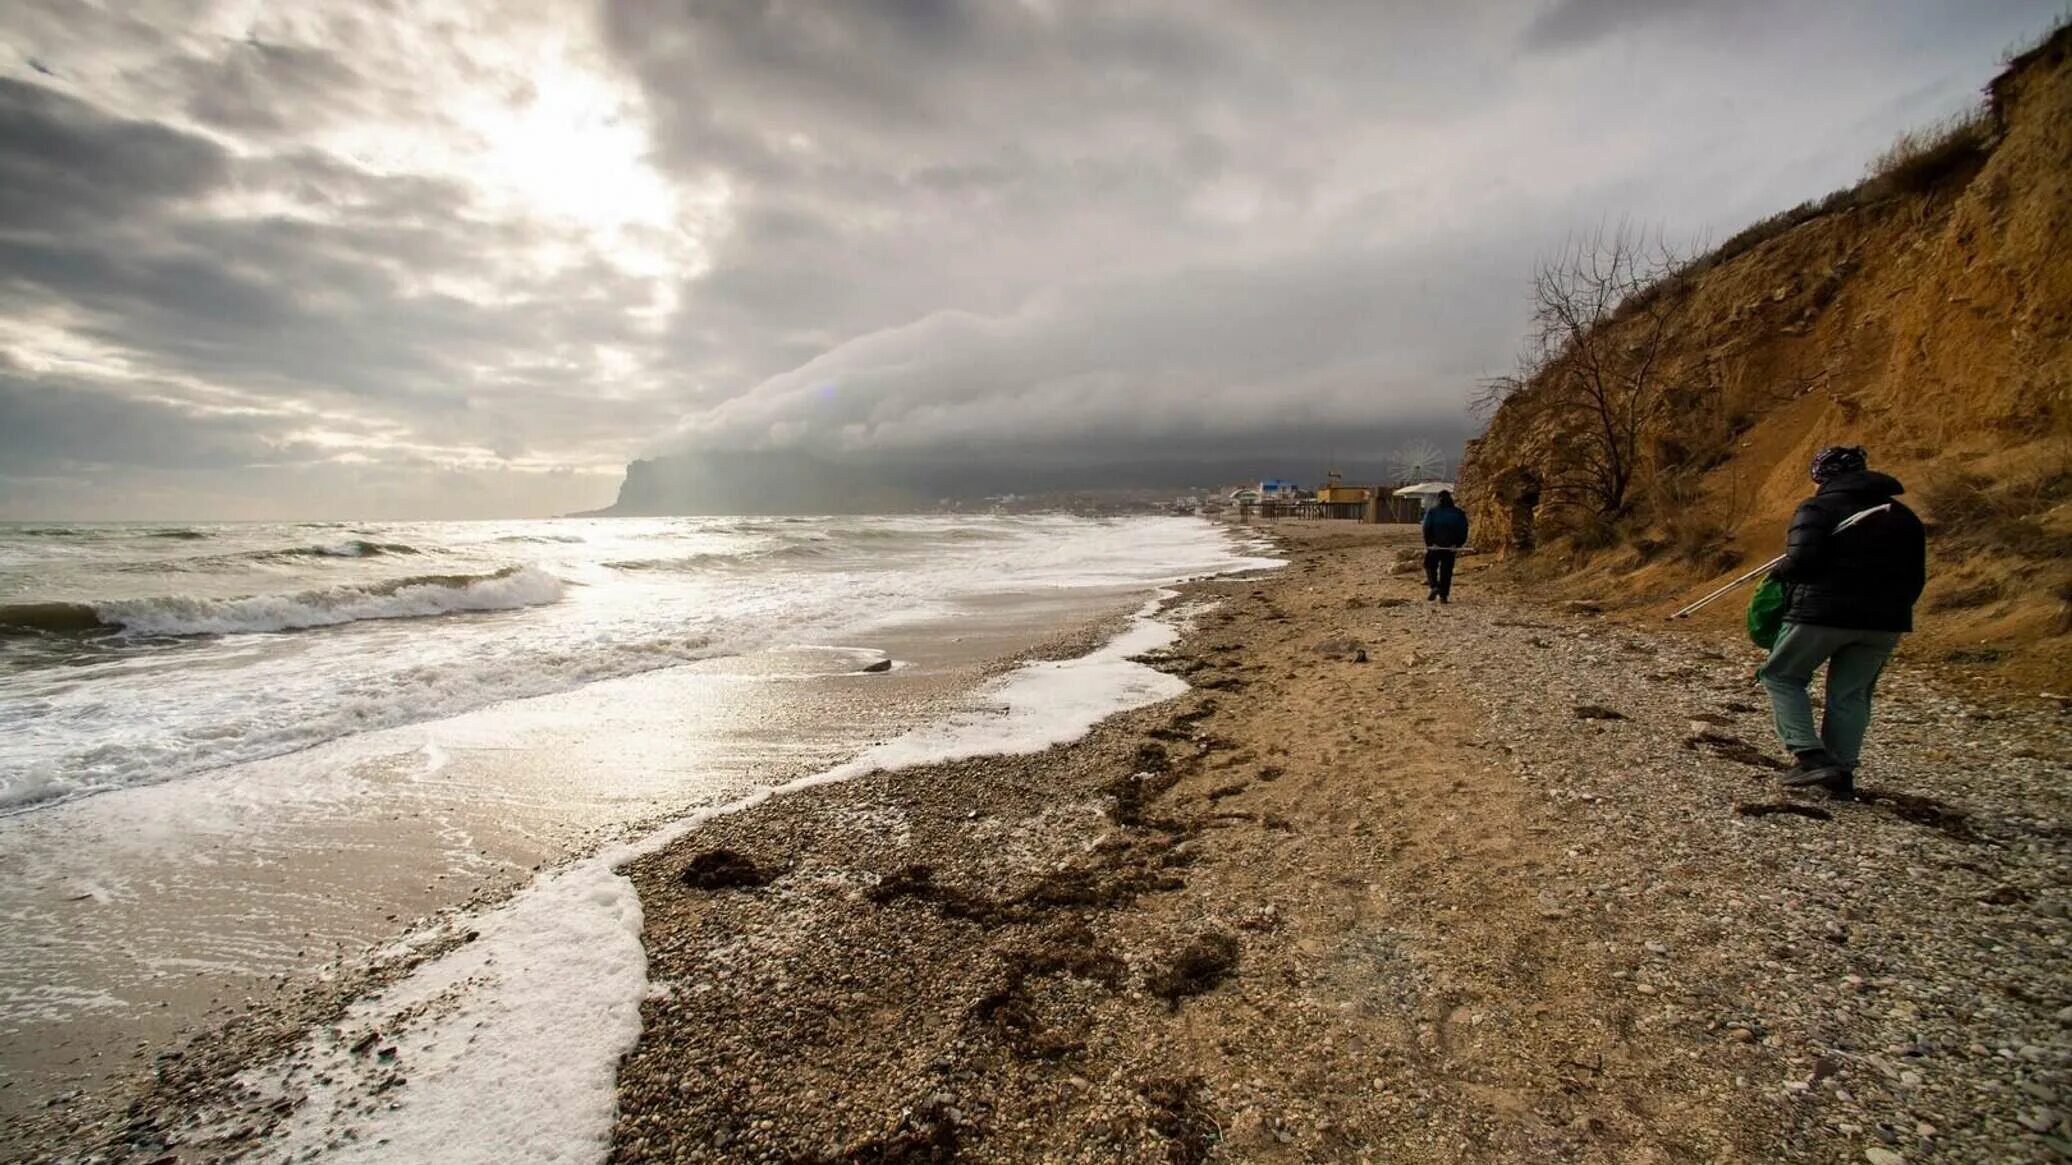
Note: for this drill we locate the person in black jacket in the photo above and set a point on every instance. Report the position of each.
(1849, 597)
(1445, 532)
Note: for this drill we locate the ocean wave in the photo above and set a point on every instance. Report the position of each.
(181, 535)
(563, 538)
(416, 597)
(350, 548)
(49, 618)
(242, 559)
(686, 562)
(750, 558)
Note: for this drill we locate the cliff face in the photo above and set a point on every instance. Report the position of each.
(1926, 315)
(754, 483)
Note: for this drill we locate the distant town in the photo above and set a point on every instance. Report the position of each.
(1271, 498)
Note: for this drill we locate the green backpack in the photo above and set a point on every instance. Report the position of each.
(1766, 613)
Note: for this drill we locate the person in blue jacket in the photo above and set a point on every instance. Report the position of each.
(1445, 532)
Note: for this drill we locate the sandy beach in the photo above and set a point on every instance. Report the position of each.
(1389, 881)
(1518, 887)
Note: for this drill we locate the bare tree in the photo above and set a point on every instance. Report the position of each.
(1605, 380)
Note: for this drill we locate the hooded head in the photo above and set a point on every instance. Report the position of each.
(1445, 497)
(1836, 460)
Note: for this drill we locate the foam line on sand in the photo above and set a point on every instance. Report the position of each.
(508, 1045)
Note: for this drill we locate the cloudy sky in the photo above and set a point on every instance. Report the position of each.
(441, 258)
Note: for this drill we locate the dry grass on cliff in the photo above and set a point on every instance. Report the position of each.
(1915, 314)
(1922, 159)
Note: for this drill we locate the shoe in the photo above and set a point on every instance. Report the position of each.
(1815, 767)
(1444, 599)
(1841, 788)
(1431, 596)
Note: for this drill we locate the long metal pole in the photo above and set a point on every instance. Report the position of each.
(1730, 586)
(1840, 526)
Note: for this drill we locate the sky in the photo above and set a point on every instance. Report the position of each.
(467, 258)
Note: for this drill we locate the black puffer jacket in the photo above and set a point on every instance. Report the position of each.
(1865, 578)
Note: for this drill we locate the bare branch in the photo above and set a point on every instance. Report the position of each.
(1609, 379)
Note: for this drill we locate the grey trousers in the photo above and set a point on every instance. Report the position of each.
(1853, 659)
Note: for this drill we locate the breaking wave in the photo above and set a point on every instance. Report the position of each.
(351, 548)
(796, 552)
(405, 598)
(49, 618)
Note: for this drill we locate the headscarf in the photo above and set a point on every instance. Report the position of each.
(1836, 460)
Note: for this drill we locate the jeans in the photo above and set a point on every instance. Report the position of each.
(1439, 570)
(1853, 659)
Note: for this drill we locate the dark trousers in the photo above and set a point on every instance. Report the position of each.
(1439, 569)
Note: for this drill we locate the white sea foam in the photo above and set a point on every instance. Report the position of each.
(518, 1061)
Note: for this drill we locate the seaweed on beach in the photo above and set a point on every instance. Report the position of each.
(723, 869)
(1010, 1010)
(1178, 1116)
(1134, 791)
(1181, 726)
(1081, 887)
(1196, 968)
(918, 882)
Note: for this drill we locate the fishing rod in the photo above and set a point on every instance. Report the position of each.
(1765, 568)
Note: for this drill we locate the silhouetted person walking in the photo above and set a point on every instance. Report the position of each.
(1849, 597)
(1445, 532)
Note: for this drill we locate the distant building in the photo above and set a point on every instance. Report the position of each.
(1336, 493)
(1275, 489)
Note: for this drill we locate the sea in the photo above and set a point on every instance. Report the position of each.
(132, 654)
(238, 757)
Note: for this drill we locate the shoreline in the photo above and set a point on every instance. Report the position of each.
(1318, 909)
(180, 1080)
(1314, 908)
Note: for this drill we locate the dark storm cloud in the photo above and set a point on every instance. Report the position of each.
(66, 166)
(58, 424)
(1015, 227)
(342, 246)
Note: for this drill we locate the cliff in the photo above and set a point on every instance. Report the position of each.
(754, 484)
(1925, 314)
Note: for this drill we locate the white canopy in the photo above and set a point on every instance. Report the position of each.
(1424, 489)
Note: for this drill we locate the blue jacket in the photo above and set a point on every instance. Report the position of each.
(1446, 526)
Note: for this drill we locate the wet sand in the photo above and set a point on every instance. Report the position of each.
(142, 921)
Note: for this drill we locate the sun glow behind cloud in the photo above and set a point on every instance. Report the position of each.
(536, 127)
(503, 123)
